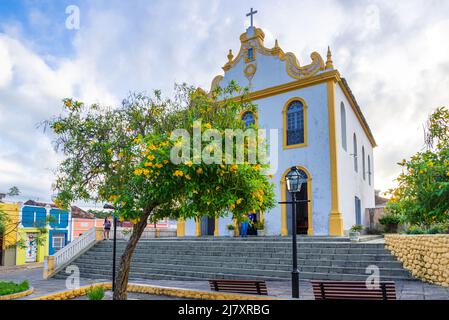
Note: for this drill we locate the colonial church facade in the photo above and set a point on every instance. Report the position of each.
(321, 131)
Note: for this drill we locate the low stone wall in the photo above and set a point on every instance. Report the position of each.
(155, 290)
(426, 256)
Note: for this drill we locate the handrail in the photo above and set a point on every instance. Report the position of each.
(66, 254)
(73, 248)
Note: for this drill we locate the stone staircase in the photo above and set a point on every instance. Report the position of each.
(265, 258)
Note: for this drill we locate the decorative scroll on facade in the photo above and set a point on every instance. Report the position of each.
(252, 46)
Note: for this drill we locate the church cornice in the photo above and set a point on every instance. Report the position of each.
(331, 75)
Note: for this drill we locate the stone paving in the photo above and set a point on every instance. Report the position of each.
(405, 290)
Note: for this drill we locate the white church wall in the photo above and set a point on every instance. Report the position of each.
(351, 183)
(190, 227)
(222, 224)
(314, 157)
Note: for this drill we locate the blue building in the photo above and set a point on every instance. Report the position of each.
(36, 215)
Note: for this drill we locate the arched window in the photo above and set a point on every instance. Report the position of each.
(369, 170)
(355, 154)
(358, 211)
(363, 163)
(343, 126)
(249, 118)
(295, 122)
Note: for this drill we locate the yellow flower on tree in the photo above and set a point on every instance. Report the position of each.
(58, 127)
(188, 163)
(178, 173)
(207, 126)
(188, 177)
(150, 157)
(199, 170)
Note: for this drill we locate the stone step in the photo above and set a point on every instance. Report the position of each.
(278, 264)
(203, 276)
(276, 271)
(300, 238)
(237, 244)
(261, 258)
(254, 249)
(243, 258)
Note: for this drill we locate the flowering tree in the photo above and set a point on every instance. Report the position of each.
(422, 195)
(129, 156)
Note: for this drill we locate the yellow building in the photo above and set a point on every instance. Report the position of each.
(17, 243)
(8, 239)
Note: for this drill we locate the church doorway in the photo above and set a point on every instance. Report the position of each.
(207, 226)
(302, 209)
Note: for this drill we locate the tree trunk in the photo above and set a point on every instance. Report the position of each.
(121, 282)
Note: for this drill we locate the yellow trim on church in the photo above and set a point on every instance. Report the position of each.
(181, 228)
(284, 129)
(335, 217)
(292, 65)
(216, 232)
(307, 82)
(284, 228)
(197, 227)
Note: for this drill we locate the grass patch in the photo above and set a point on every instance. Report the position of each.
(9, 287)
(95, 293)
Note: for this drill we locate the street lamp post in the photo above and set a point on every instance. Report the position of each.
(294, 181)
(114, 245)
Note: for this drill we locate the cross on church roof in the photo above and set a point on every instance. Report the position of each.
(250, 14)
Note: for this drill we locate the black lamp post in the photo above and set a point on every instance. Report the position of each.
(114, 246)
(294, 181)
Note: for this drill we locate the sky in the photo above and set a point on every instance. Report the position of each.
(394, 54)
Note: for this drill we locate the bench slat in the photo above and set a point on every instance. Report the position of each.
(353, 290)
(239, 286)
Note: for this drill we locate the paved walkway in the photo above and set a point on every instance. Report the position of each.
(405, 290)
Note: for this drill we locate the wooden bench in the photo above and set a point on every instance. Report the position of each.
(240, 286)
(353, 290)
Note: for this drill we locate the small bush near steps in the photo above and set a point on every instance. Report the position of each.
(95, 293)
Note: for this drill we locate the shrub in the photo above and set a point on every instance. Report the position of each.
(259, 225)
(415, 230)
(440, 228)
(9, 287)
(356, 228)
(390, 219)
(95, 293)
(230, 227)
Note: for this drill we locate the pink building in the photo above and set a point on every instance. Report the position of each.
(83, 221)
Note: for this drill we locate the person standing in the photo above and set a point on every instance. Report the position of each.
(107, 228)
(245, 225)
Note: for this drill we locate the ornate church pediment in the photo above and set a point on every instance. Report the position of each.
(252, 45)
